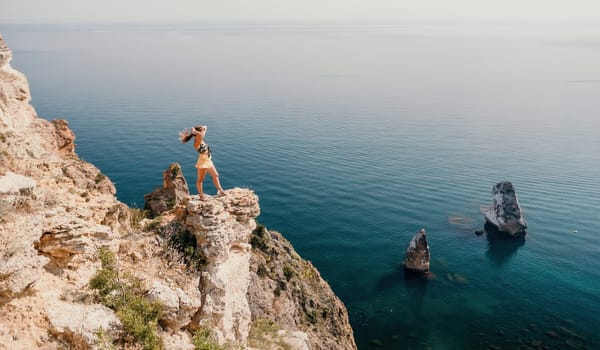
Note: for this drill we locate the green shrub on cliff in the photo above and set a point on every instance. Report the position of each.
(184, 242)
(125, 295)
(259, 239)
(136, 216)
(264, 335)
(99, 178)
(204, 339)
(106, 279)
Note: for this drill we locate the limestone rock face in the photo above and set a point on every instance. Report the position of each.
(15, 110)
(222, 227)
(79, 322)
(56, 211)
(417, 253)
(12, 183)
(65, 138)
(290, 291)
(504, 214)
(178, 307)
(174, 190)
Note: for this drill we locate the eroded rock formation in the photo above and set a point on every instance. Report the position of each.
(57, 211)
(222, 227)
(504, 214)
(417, 253)
(289, 290)
(175, 189)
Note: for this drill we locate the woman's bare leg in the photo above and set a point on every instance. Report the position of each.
(201, 176)
(215, 179)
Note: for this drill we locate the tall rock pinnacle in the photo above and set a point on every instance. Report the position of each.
(5, 53)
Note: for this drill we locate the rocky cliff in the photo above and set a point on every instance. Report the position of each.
(80, 270)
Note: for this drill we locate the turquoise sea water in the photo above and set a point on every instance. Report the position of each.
(356, 136)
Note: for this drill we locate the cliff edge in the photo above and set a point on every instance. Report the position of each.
(81, 270)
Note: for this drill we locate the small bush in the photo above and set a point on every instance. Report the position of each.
(259, 239)
(263, 335)
(152, 225)
(312, 316)
(288, 272)
(308, 272)
(106, 279)
(103, 340)
(184, 242)
(17, 204)
(136, 216)
(125, 296)
(204, 339)
(261, 271)
(325, 312)
(99, 178)
(140, 320)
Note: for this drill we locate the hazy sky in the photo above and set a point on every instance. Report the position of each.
(28, 11)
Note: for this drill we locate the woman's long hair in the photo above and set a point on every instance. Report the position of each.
(186, 135)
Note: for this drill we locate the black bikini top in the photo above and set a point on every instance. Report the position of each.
(205, 148)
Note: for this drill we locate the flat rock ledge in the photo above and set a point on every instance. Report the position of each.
(504, 214)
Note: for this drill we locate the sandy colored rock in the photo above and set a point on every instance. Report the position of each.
(80, 320)
(175, 189)
(12, 183)
(222, 227)
(178, 307)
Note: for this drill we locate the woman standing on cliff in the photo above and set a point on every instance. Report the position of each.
(204, 163)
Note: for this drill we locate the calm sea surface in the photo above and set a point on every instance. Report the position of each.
(356, 136)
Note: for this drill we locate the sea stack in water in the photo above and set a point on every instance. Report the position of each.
(417, 254)
(504, 213)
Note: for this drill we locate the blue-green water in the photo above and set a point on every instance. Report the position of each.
(356, 136)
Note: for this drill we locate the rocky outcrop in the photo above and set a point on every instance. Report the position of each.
(417, 254)
(222, 227)
(290, 291)
(179, 306)
(57, 211)
(53, 217)
(5, 53)
(175, 189)
(504, 214)
(15, 110)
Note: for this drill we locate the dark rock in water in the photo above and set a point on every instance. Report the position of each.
(551, 334)
(417, 254)
(504, 213)
(479, 232)
(174, 190)
(376, 342)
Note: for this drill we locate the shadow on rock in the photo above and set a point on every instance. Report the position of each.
(500, 246)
